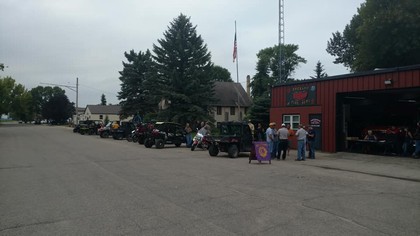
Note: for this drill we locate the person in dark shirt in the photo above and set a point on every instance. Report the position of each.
(407, 137)
(310, 139)
(260, 133)
(370, 136)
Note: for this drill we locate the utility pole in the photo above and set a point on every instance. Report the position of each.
(73, 88)
(281, 37)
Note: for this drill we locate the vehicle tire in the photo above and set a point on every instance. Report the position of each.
(148, 143)
(141, 140)
(233, 151)
(178, 143)
(105, 134)
(213, 150)
(135, 139)
(159, 143)
(129, 138)
(193, 147)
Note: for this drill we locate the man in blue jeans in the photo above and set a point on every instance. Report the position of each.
(310, 139)
(301, 141)
(270, 132)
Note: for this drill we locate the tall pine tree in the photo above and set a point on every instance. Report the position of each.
(138, 95)
(319, 71)
(103, 100)
(184, 64)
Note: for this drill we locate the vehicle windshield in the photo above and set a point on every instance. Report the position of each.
(230, 129)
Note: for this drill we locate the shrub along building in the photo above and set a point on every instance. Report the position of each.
(342, 108)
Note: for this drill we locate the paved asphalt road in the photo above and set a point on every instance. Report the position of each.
(55, 182)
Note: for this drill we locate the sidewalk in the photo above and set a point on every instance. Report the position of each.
(405, 168)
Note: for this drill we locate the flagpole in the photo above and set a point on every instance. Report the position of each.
(237, 70)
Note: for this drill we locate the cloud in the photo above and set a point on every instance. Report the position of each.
(55, 41)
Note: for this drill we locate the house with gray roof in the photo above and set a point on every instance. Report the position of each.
(233, 101)
(100, 112)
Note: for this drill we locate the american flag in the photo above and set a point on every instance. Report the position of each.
(235, 49)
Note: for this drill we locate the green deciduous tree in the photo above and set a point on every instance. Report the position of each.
(7, 85)
(319, 71)
(383, 33)
(139, 90)
(184, 66)
(21, 106)
(218, 73)
(58, 109)
(268, 67)
(268, 75)
(41, 95)
(15, 99)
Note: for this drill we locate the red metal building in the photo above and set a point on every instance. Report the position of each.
(343, 106)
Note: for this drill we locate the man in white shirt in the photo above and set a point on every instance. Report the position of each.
(283, 134)
(270, 133)
(301, 139)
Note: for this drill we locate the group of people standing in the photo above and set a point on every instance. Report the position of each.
(400, 140)
(279, 140)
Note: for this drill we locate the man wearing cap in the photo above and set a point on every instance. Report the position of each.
(283, 135)
(301, 138)
(270, 133)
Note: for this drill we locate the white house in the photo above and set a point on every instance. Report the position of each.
(100, 112)
(233, 102)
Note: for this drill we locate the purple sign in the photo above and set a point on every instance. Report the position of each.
(261, 151)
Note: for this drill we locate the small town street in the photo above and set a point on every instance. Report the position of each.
(56, 182)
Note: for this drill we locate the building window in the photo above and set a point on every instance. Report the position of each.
(219, 111)
(101, 117)
(232, 111)
(292, 120)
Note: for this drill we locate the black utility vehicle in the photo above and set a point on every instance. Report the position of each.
(77, 127)
(88, 127)
(164, 133)
(235, 137)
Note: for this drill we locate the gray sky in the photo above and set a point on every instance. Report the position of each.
(55, 41)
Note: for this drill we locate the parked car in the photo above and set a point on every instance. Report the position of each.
(165, 133)
(234, 138)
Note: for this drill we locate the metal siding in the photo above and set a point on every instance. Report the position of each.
(371, 82)
(326, 98)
